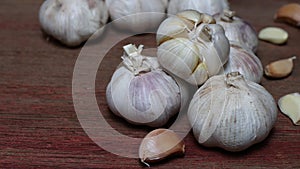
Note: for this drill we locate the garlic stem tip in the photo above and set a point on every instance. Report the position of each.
(293, 58)
(148, 165)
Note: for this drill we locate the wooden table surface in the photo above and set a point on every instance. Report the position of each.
(39, 127)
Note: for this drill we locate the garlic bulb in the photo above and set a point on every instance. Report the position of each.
(210, 7)
(244, 61)
(191, 46)
(238, 30)
(137, 15)
(73, 21)
(141, 92)
(231, 112)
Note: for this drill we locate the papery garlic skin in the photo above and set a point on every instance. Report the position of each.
(73, 21)
(191, 46)
(238, 30)
(210, 7)
(137, 15)
(143, 97)
(244, 61)
(231, 113)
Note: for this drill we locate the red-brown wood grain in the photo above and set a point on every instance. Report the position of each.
(38, 124)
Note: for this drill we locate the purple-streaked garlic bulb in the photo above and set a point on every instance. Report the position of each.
(141, 92)
(238, 30)
(244, 61)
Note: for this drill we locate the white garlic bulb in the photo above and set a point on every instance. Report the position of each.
(231, 112)
(244, 61)
(141, 92)
(238, 30)
(210, 7)
(191, 46)
(73, 21)
(137, 15)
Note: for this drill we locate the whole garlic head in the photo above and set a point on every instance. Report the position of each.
(73, 21)
(231, 112)
(244, 61)
(192, 46)
(210, 7)
(238, 30)
(137, 15)
(141, 92)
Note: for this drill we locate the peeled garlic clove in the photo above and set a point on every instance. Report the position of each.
(160, 144)
(274, 35)
(280, 68)
(290, 106)
(289, 13)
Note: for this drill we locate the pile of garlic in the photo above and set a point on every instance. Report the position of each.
(231, 110)
(201, 43)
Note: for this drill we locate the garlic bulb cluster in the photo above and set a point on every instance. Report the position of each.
(210, 7)
(141, 92)
(238, 30)
(137, 15)
(192, 46)
(244, 61)
(231, 112)
(73, 21)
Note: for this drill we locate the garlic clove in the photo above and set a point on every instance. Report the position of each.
(280, 68)
(181, 58)
(172, 28)
(160, 144)
(289, 13)
(196, 17)
(274, 35)
(290, 106)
